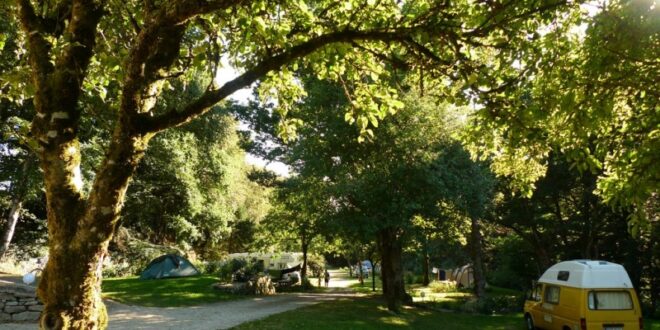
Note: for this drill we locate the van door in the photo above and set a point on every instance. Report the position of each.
(549, 306)
(533, 304)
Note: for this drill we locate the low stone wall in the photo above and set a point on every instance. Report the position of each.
(18, 303)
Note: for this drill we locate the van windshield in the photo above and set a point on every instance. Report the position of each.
(610, 300)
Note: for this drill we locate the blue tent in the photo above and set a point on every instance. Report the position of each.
(169, 265)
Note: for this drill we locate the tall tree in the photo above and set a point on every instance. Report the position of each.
(299, 214)
(378, 186)
(76, 47)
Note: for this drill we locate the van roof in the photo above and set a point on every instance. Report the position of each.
(592, 274)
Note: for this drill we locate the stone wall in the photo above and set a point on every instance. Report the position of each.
(18, 303)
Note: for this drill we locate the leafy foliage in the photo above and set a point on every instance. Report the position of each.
(589, 95)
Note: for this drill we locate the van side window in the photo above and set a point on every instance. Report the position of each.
(551, 294)
(535, 295)
(609, 300)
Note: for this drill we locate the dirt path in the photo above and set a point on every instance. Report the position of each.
(214, 316)
(221, 315)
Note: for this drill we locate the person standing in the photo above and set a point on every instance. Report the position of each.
(327, 278)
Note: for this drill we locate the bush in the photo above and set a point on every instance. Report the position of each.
(212, 267)
(409, 277)
(443, 286)
(239, 269)
(495, 305)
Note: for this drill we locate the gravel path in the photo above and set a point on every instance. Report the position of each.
(213, 316)
(221, 315)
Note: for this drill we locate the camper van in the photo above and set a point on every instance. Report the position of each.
(583, 295)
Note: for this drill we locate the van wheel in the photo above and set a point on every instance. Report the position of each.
(529, 323)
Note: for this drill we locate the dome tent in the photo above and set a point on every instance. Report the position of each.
(169, 265)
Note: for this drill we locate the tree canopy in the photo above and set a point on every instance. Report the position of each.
(74, 63)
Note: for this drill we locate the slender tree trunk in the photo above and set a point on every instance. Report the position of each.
(392, 270)
(19, 189)
(350, 267)
(303, 270)
(477, 260)
(427, 261)
(361, 272)
(373, 275)
(12, 220)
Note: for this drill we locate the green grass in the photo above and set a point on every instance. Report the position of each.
(184, 291)
(651, 324)
(370, 313)
(367, 286)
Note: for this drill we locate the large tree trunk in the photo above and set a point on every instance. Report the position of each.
(79, 232)
(477, 259)
(392, 270)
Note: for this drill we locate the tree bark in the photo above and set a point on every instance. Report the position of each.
(477, 259)
(373, 275)
(71, 284)
(427, 262)
(360, 272)
(350, 267)
(303, 270)
(392, 270)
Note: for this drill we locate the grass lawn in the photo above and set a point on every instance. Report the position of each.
(368, 285)
(370, 313)
(184, 291)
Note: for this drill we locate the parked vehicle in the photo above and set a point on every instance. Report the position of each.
(583, 295)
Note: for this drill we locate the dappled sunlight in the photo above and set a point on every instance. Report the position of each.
(393, 320)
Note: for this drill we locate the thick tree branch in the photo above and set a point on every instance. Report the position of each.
(210, 98)
(490, 23)
(178, 12)
(38, 47)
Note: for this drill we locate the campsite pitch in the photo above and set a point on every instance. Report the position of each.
(170, 292)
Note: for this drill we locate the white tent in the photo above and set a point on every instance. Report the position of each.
(464, 276)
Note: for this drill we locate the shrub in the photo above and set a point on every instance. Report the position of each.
(495, 304)
(443, 286)
(409, 277)
(239, 269)
(212, 267)
(315, 264)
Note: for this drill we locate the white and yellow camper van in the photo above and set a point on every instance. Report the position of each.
(583, 295)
